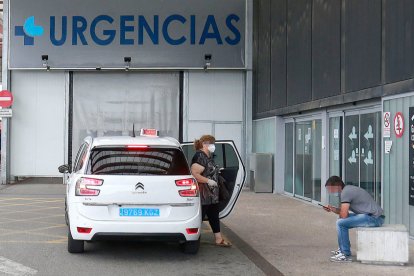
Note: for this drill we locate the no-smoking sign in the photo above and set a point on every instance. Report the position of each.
(399, 124)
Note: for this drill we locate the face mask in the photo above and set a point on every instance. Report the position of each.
(211, 148)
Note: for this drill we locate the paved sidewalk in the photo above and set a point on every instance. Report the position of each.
(279, 234)
(296, 237)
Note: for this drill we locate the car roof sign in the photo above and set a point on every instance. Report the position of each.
(152, 132)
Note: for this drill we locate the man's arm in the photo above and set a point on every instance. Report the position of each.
(344, 211)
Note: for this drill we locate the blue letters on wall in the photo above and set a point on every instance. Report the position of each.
(175, 30)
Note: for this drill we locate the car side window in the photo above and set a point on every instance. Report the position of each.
(80, 157)
(225, 156)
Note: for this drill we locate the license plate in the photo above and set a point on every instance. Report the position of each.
(139, 212)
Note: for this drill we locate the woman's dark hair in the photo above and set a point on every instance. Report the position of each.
(198, 143)
(334, 181)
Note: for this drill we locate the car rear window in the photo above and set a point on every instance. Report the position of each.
(146, 161)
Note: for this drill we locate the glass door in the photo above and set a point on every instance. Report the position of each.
(370, 162)
(289, 164)
(335, 152)
(300, 158)
(362, 141)
(307, 159)
(352, 150)
(335, 146)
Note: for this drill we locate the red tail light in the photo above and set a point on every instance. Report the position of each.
(191, 183)
(136, 147)
(83, 184)
(192, 231)
(85, 230)
(185, 182)
(188, 193)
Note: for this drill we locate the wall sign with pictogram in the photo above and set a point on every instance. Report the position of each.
(6, 100)
(411, 156)
(387, 125)
(399, 124)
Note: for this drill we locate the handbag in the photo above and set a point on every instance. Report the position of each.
(224, 194)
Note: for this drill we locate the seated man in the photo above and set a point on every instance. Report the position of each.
(366, 213)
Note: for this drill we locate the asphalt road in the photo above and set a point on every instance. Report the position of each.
(33, 240)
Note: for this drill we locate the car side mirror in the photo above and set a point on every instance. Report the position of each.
(65, 168)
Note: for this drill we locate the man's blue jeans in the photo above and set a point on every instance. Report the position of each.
(352, 221)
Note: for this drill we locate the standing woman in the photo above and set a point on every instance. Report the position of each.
(206, 173)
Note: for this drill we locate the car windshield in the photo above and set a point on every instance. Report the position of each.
(133, 161)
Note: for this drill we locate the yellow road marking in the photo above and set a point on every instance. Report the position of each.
(30, 198)
(36, 234)
(31, 231)
(41, 242)
(35, 219)
(35, 210)
(27, 204)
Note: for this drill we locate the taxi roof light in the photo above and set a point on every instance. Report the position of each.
(150, 132)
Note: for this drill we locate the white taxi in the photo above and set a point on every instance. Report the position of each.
(141, 188)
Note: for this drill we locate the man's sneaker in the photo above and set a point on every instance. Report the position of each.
(341, 258)
(335, 252)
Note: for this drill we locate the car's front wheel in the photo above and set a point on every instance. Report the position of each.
(74, 246)
(190, 247)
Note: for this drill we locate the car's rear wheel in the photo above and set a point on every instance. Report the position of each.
(191, 247)
(74, 246)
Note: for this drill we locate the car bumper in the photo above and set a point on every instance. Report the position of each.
(110, 230)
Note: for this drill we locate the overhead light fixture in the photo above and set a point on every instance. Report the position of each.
(207, 60)
(127, 61)
(45, 62)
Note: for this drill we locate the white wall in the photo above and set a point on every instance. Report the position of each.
(215, 106)
(38, 123)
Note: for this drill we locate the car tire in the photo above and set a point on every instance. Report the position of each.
(190, 247)
(74, 246)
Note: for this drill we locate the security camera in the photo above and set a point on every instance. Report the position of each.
(207, 59)
(127, 61)
(45, 63)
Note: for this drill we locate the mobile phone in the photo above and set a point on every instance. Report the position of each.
(321, 205)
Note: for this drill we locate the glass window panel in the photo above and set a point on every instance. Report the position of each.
(368, 152)
(316, 159)
(307, 159)
(335, 146)
(352, 150)
(289, 157)
(377, 157)
(363, 152)
(299, 157)
(335, 152)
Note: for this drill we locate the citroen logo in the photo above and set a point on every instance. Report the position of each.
(139, 185)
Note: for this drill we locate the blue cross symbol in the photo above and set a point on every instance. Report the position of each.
(19, 31)
(29, 30)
